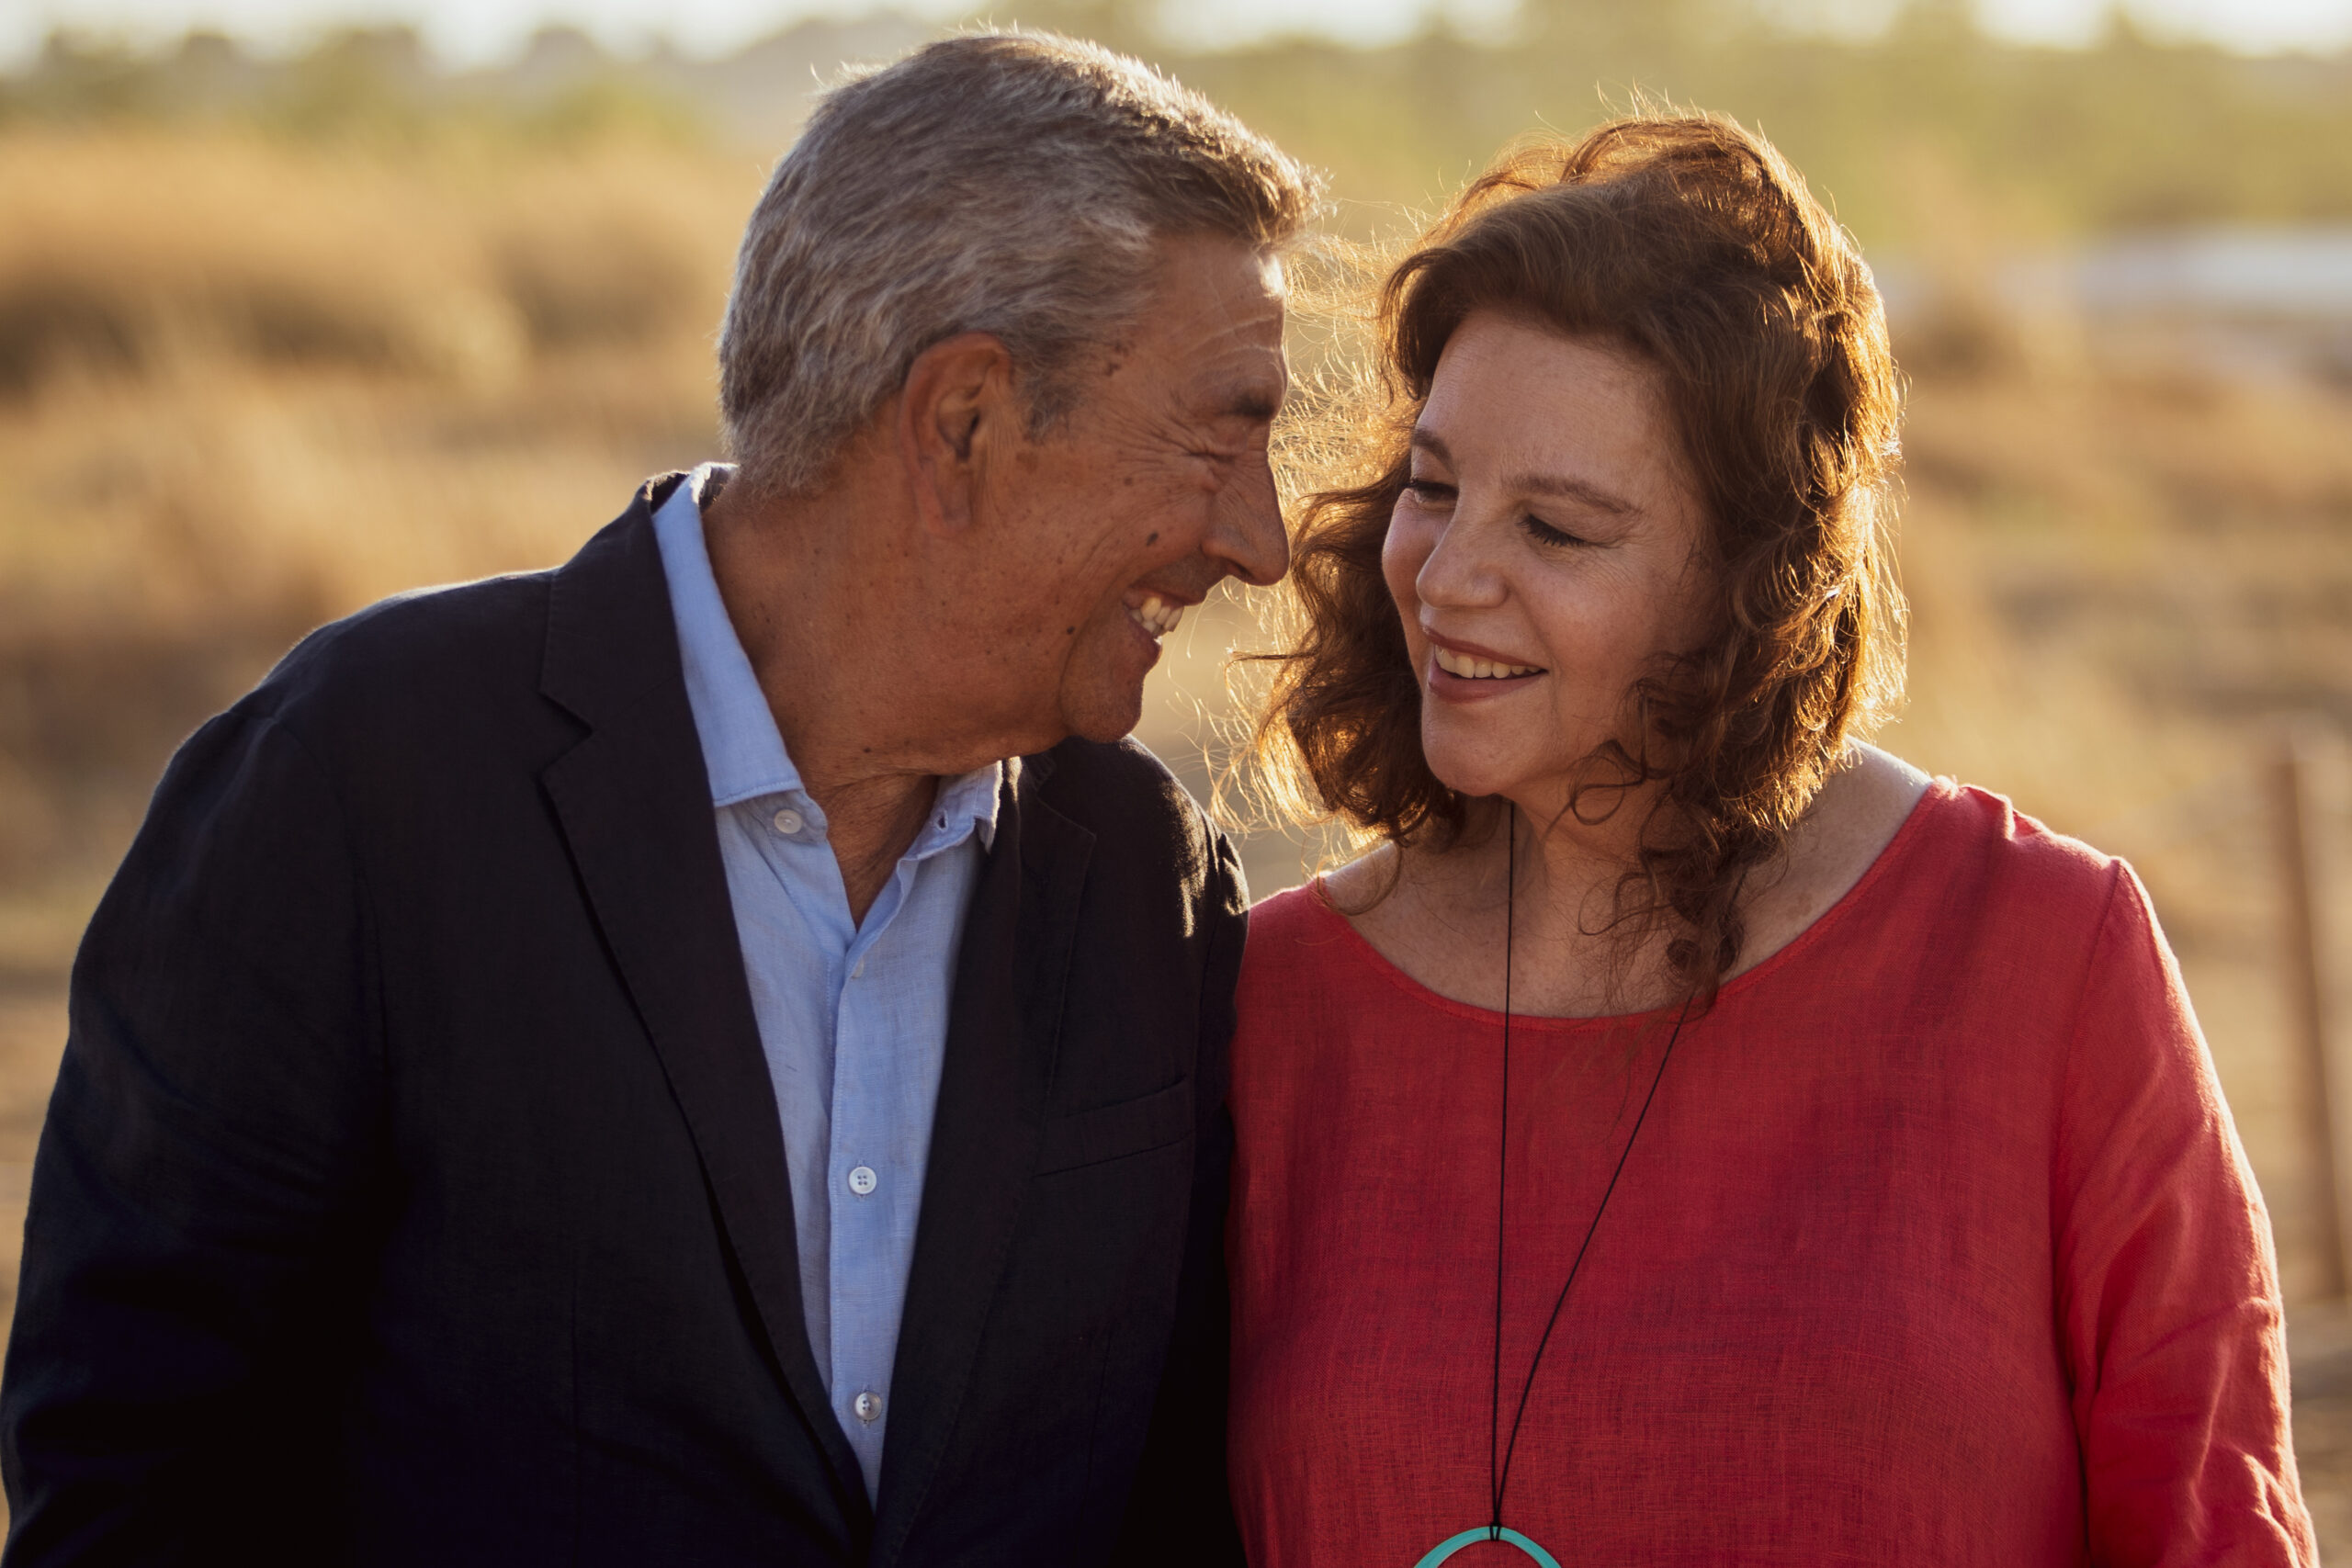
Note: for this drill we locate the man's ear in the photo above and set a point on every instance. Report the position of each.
(956, 411)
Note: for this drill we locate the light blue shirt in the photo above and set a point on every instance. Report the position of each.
(852, 1018)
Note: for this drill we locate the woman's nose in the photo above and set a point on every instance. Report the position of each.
(1459, 570)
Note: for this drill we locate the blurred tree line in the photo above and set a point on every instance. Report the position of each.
(367, 85)
(1896, 124)
(2131, 132)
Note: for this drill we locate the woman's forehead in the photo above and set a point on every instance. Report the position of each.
(1555, 412)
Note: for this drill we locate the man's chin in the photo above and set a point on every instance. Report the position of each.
(1104, 717)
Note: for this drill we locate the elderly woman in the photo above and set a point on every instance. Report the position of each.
(1692, 1136)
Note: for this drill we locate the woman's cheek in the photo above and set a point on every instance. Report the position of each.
(1403, 553)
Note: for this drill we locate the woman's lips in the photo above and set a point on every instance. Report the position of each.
(1473, 667)
(1446, 686)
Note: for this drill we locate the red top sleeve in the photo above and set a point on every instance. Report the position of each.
(2167, 1283)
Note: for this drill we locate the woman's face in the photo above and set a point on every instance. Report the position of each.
(1548, 550)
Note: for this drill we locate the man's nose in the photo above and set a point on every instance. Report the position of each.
(1248, 538)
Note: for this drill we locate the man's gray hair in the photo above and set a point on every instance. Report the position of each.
(1006, 184)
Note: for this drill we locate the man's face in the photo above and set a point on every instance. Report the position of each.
(1154, 486)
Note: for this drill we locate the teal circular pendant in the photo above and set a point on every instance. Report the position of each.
(1453, 1544)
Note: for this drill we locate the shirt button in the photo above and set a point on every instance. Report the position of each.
(858, 972)
(869, 1405)
(861, 1180)
(788, 822)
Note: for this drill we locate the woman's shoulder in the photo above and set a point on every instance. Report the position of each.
(1882, 816)
(2064, 905)
(1306, 967)
(1296, 926)
(1966, 875)
(1978, 840)
(1977, 895)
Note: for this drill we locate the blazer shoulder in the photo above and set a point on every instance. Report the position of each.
(425, 651)
(1135, 808)
(1108, 786)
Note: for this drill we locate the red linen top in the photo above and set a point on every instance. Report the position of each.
(1937, 1247)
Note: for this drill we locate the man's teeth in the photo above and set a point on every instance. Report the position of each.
(1471, 669)
(1157, 616)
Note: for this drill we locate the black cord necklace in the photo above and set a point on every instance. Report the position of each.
(1498, 1464)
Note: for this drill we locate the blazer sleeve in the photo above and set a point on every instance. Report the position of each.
(1181, 1512)
(2168, 1289)
(199, 1214)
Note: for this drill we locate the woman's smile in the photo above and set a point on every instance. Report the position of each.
(1464, 673)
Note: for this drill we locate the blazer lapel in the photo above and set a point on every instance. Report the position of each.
(634, 801)
(1003, 1028)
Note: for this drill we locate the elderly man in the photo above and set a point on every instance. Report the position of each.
(714, 1053)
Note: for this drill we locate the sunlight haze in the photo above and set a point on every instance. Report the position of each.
(474, 32)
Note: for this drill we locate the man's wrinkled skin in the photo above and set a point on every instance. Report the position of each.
(960, 588)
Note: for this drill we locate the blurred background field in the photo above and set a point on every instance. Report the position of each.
(284, 331)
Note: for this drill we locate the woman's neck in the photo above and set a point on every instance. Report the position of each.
(1443, 920)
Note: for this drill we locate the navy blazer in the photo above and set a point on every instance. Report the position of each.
(413, 1190)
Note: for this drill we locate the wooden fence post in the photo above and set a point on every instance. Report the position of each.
(2307, 999)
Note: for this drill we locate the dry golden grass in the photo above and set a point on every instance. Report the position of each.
(247, 385)
(244, 387)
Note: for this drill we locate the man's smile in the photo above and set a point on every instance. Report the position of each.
(1157, 616)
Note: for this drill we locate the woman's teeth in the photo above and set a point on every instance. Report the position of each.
(1157, 616)
(1471, 669)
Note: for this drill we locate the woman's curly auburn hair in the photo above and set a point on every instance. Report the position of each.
(1690, 245)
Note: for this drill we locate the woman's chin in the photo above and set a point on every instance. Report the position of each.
(1472, 776)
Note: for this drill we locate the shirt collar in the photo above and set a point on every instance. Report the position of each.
(742, 749)
(968, 802)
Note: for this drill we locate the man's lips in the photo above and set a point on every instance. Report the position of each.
(1156, 614)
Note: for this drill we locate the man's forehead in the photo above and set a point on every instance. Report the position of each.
(1248, 380)
(1208, 343)
(1216, 280)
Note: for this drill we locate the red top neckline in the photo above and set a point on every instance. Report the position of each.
(1940, 792)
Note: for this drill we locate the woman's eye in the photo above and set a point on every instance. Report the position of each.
(1543, 533)
(1429, 492)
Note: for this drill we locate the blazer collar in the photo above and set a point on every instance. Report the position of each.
(1002, 1034)
(634, 801)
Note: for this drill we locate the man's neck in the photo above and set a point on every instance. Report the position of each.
(870, 826)
(822, 622)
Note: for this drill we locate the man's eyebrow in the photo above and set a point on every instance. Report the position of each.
(1256, 404)
(1581, 490)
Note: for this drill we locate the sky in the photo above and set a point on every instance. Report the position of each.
(470, 32)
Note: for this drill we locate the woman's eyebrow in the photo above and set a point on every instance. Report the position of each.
(1581, 490)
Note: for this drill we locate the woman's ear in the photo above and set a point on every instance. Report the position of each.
(955, 411)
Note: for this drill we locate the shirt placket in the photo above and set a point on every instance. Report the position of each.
(789, 830)
(865, 1183)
